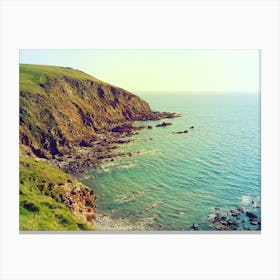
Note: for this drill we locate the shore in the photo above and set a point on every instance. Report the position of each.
(90, 154)
(107, 223)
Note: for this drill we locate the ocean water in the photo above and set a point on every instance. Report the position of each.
(173, 181)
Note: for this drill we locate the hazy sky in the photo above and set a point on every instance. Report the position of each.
(161, 70)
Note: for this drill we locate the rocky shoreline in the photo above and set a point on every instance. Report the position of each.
(239, 218)
(91, 153)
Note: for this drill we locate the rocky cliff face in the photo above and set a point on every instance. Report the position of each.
(61, 108)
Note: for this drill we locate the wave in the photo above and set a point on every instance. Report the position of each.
(129, 196)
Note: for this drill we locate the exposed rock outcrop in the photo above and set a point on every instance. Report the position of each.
(181, 132)
(164, 124)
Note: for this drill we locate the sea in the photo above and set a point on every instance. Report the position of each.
(172, 182)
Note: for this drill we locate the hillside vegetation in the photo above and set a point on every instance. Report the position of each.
(46, 201)
(33, 77)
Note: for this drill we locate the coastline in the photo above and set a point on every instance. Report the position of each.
(91, 154)
(105, 222)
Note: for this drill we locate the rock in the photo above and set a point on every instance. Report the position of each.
(195, 226)
(217, 219)
(219, 226)
(84, 143)
(139, 127)
(123, 128)
(223, 217)
(251, 215)
(165, 115)
(235, 213)
(164, 124)
(217, 208)
(241, 209)
(192, 127)
(149, 127)
(181, 132)
(232, 223)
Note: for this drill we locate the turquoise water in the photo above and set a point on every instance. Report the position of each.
(177, 180)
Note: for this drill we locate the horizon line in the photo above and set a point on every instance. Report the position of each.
(195, 92)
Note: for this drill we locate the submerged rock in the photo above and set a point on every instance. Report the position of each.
(233, 219)
(241, 209)
(235, 213)
(219, 226)
(195, 226)
(251, 215)
(164, 124)
(181, 132)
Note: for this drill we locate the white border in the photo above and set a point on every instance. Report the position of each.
(155, 24)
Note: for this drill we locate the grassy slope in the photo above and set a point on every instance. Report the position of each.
(37, 210)
(32, 75)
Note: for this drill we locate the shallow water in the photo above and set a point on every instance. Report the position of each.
(176, 180)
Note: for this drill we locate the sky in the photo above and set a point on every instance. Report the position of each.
(185, 71)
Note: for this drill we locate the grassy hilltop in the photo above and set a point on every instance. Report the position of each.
(33, 77)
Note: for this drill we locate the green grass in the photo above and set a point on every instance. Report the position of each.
(32, 76)
(38, 211)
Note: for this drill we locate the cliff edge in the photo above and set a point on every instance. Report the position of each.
(62, 108)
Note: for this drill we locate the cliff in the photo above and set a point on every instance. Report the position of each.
(62, 108)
